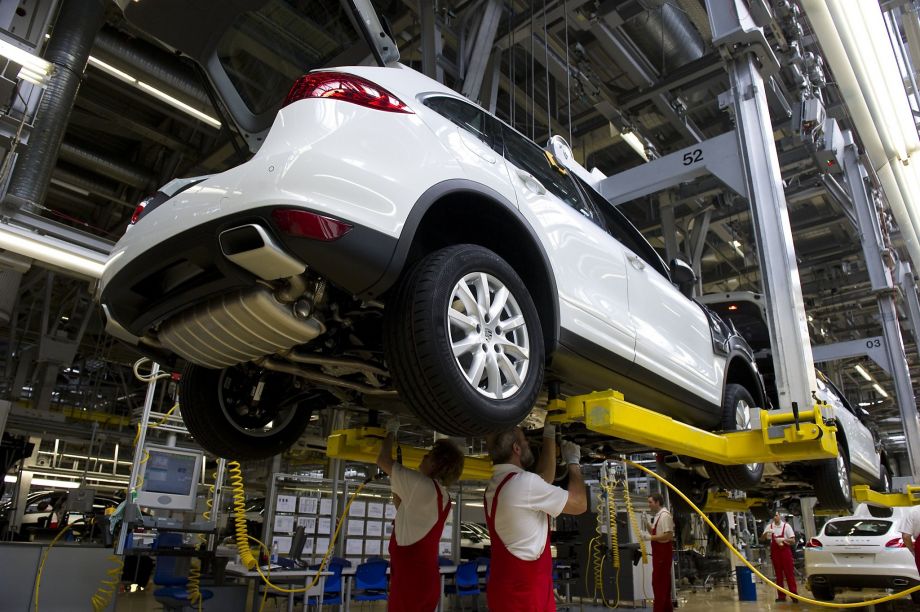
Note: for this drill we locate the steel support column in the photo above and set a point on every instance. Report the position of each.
(791, 346)
(874, 246)
(482, 50)
(432, 43)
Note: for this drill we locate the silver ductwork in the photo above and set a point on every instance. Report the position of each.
(666, 36)
(68, 50)
(237, 328)
(250, 247)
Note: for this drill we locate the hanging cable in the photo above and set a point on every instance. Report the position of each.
(194, 574)
(41, 565)
(109, 585)
(549, 119)
(568, 71)
(147, 378)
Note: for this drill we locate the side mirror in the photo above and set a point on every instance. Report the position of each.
(683, 276)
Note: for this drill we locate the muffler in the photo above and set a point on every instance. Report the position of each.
(252, 248)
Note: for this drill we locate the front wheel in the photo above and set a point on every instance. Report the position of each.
(832, 481)
(737, 405)
(244, 412)
(463, 342)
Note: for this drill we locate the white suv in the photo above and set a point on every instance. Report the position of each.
(391, 237)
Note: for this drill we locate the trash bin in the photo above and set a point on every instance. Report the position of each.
(747, 590)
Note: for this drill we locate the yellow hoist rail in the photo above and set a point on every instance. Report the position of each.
(363, 444)
(863, 494)
(778, 438)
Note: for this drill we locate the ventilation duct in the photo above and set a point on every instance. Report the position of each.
(666, 37)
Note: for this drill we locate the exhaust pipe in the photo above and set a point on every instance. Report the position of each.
(252, 248)
(900, 582)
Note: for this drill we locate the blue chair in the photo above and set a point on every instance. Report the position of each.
(174, 594)
(371, 580)
(332, 587)
(466, 582)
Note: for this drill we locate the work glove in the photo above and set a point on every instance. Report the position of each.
(571, 452)
(549, 430)
(392, 426)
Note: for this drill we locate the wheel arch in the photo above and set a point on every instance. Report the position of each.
(740, 371)
(460, 211)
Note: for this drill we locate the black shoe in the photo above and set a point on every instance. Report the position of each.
(778, 600)
(794, 600)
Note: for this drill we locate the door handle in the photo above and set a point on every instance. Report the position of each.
(531, 182)
(636, 261)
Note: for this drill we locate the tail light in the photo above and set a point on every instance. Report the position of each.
(306, 224)
(895, 543)
(139, 210)
(814, 543)
(347, 87)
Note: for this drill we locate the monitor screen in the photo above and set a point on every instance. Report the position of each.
(168, 472)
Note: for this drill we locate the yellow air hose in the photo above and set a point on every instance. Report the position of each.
(737, 553)
(194, 573)
(108, 586)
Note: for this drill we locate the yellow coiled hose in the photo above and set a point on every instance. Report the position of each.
(634, 521)
(194, 573)
(108, 586)
(241, 534)
(596, 549)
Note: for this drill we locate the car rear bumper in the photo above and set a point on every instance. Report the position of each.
(863, 581)
(189, 267)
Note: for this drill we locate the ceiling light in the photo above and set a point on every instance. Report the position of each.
(34, 69)
(635, 143)
(879, 390)
(45, 482)
(863, 373)
(153, 91)
(473, 504)
(52, 251)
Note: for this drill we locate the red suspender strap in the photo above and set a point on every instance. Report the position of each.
(491, 515)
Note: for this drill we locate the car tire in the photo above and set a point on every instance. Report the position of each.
(822, 593)
(884, 479)
(445, 355)
(737, 405)
(833, 487)
(695, 487)
(218, 411)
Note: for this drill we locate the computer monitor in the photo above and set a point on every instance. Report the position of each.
(170, 478)
(297, 543)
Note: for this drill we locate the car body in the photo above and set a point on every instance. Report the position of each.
(474, 540)
(409, 241)
(42, 505)
(860, 551)
(865, 460)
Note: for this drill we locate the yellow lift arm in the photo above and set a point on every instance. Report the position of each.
(863, 494)
(719, 501)
(363, 445)
(778, 438)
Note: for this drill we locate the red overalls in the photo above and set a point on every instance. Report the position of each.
(782, 563)
(662, 559)
(415, 580)
(917, 552)
(516, 585)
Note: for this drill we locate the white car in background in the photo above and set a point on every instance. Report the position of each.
(861, 460)
(860, 552)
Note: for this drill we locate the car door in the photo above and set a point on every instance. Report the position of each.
(673, 337)
(475, 138)
(589, 267)
(864, 456)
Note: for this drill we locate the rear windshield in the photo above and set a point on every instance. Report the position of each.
(266, 50)
(857, 527)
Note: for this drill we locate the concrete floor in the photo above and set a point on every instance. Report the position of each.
(720, 599)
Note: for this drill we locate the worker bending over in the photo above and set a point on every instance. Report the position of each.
(782, 538)
(518, 508)
(661, 535)
(422, 507)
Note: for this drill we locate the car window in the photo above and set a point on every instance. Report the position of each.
(625, 232)
(465, 115)
(857, 527)
(553, 176)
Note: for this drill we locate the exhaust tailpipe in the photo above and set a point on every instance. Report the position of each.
(252, 248)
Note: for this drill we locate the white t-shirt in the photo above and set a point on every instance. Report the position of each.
(910, 522)
(523, 505)
(418, 511)
(783, 530)
(663, 522)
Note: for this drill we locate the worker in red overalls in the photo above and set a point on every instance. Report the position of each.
(422, 507)
(518, 508)
(782, 539)
(661, 535)
(910, 532)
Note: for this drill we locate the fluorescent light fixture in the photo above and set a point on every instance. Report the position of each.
(473, 504)
(633, 141)
(863, 373)
(879, 390)
(52, 251)
(34, 69)
(45, 482)
(153, 91)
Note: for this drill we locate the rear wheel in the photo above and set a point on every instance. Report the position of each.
(463, 342)
(737, 406)
(244, 412)
(832, 481)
